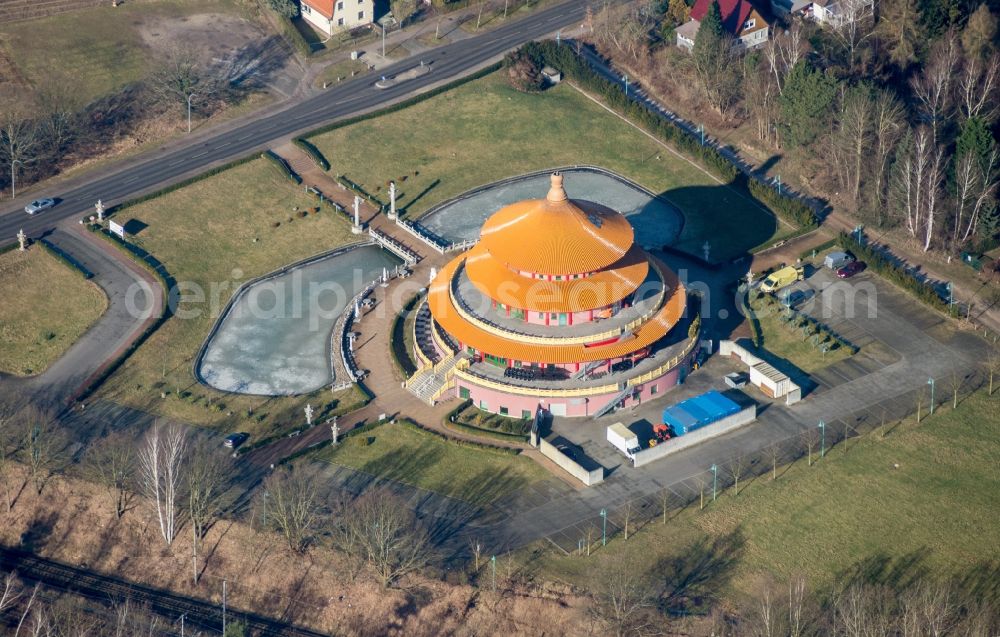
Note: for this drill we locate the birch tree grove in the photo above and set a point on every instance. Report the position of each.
(161, 461)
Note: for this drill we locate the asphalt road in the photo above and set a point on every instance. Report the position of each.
(346, 99)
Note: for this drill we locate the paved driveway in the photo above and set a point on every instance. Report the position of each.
(128, 289)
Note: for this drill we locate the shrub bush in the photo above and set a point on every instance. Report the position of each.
(281, 165)
(313, 152)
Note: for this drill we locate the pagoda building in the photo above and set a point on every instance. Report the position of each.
(556, 307)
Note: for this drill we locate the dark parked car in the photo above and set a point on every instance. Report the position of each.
(851, 269)
(233, 441)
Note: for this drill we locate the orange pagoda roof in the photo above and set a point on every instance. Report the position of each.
(447, 315)
(596, 291)
(557, 235)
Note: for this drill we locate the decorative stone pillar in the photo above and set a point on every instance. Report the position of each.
(356, 228)
(392, 201)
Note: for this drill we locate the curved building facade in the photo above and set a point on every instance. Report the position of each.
(558, 307)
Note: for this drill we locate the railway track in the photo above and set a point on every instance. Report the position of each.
(199, 615)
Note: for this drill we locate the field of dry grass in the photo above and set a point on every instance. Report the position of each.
(46, 307)
(316, 589)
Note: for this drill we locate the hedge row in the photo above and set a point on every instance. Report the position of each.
(458, 441)
(886, 268)
(826, 245)
(358, 190)
(182, 184)
(66, 258)
(472, 430)
(281, 165)
(313, 152)
(398, 106)
(792, 209)
(566, 60)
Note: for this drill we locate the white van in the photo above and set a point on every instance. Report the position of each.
(837, 260)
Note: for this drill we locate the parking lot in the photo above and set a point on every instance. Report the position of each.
(903, 345)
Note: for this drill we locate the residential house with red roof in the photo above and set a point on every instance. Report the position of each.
(740, 18)
(331, 16)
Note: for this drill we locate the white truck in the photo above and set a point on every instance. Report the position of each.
(622, 438)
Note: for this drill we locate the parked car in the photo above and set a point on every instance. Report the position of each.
(233, 441)
(39, 205)
(851, 269)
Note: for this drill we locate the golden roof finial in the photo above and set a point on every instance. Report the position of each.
(556, 192)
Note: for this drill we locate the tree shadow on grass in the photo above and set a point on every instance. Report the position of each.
(695, 577)
(895, 573)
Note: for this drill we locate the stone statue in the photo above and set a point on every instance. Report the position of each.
(434, 273)
(22, 240)
(392, 200)
(334, 431)
(309, 414)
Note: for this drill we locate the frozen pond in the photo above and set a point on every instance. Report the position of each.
(275, 338)
(656, 222)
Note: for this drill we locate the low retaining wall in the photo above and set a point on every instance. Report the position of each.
(718, 428)
(589, 478)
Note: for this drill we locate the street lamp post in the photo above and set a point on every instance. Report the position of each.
(223, 607)
(930, 381)
(604, 527)
(951, 297)
(822, 439)
(189, 98)
(625, 79)
(13, 190)
(182, 624)
(779, 185)
(715, 481)
(493, 564)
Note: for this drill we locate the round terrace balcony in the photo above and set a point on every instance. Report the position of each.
(488, 339)
(667, 355)
(649, 298)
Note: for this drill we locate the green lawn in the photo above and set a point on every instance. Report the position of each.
(420, 459)
(218, 233)
(937, 510)
(96, 50)
(46, 307)
(787, 342)
(484, 131)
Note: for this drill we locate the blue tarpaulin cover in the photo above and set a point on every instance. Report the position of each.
(690, 414)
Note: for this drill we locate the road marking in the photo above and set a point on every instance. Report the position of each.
(199, 155)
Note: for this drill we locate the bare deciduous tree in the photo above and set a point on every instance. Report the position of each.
(737, 466)
(977, 87)
(975, 187)
(933, 86)
(294, 506)
(206, 482)
(623, 597)
(161, 460)
(853, 25)
(19, 137)
(41, 447)
(387, 535)
(992, 363)
(887, 128)
(113, 465)
(782, 53)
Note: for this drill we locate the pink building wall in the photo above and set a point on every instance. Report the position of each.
(575, 406)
